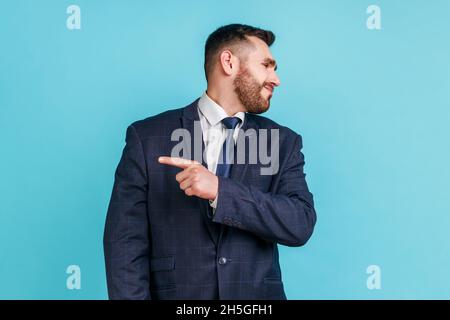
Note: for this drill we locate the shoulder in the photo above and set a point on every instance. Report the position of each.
(161, 124)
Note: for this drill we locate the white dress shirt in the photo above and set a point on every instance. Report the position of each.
(214, 131)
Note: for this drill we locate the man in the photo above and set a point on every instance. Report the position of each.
(208, 228)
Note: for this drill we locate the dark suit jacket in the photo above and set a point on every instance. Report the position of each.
(162, 244)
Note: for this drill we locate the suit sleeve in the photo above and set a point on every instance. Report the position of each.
(286, 216)
(126, 240)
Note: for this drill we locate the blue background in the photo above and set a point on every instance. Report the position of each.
(373, 108)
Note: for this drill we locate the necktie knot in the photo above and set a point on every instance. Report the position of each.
(231, 122)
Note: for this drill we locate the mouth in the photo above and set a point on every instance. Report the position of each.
(269, 88)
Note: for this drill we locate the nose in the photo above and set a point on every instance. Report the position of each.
(275, 80)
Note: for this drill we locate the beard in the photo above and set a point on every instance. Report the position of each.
(248, 90)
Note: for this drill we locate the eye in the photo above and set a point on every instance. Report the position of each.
(265, 65)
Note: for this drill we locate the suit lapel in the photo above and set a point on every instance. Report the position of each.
(238, 171)
(190, 115)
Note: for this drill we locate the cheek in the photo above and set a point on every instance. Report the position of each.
(261, 77)
(259, 73)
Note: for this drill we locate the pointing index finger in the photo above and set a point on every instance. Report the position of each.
(177, 162)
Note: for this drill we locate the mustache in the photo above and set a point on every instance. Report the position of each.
(268, 84)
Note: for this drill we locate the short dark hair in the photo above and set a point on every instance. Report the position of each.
(230, 35)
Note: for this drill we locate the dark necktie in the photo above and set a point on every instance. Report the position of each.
(226, 157)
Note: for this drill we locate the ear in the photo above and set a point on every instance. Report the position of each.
(228, 62)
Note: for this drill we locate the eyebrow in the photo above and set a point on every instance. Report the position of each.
(271, 62)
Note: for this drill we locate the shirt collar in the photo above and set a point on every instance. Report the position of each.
(213, 112)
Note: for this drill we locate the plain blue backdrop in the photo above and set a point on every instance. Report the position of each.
(373, 107)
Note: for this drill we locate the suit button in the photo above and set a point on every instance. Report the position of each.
(222, 260)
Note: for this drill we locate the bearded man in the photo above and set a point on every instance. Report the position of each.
(208, 228)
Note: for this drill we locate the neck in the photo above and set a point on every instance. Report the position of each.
(229, 102)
